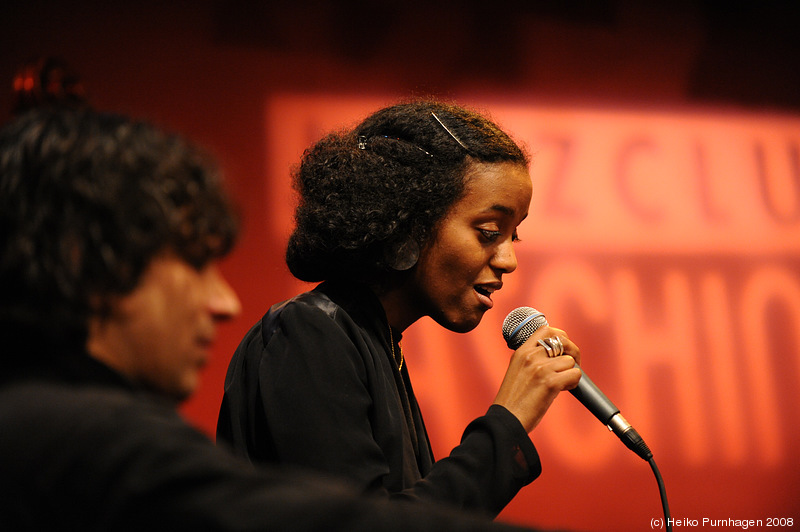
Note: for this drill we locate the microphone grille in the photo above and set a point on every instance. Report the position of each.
(520, 324)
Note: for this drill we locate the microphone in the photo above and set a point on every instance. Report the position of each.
(519, 325)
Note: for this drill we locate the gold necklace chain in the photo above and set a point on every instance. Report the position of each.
(394, 357)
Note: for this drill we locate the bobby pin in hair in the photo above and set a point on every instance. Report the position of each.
(362, 143)
(449, 132)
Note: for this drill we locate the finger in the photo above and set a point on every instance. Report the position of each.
(567, 374)
(571, 377)
(563, 363)
(571, 349)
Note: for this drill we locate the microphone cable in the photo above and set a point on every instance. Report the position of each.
(662, 491)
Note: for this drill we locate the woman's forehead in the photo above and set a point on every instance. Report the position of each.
(503, 185)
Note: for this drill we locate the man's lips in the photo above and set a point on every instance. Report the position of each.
(205, 344)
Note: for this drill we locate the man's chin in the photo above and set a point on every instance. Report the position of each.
(175, 392)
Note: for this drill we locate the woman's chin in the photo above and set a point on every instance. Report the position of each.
(462, 325)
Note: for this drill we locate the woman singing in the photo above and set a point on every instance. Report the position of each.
(412, 213)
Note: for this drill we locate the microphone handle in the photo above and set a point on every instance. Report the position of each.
(603, 409)
(593, 399)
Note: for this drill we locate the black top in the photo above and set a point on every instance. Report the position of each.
(314, 383)
(83, 449)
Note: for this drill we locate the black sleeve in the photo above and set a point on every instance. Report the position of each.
(495, 459)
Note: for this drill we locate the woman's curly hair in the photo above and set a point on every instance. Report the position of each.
(364, 192)
(87, 200)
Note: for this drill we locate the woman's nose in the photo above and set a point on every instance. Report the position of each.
(505, 259)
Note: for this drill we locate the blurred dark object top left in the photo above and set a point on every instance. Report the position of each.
(47, 81)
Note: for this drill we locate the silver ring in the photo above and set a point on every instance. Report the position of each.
(544, 343)
(558, 346)
(554, 346)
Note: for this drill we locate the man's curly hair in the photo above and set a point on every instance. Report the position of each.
(364, 192)
(87, 200)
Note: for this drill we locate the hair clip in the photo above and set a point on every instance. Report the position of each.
(362, 143)
(449, 132)
(408, 142)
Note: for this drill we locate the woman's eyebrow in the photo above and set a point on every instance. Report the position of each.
(502, 208)
(505, 210)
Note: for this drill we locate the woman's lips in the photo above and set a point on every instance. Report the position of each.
(484, 293)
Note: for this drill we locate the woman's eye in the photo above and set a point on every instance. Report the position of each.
(489, 235)
(492, 236)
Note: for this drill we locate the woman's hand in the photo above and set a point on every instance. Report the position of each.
(534, 379)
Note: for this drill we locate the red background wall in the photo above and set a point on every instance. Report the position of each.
(664, 233)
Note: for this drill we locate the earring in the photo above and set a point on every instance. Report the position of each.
(403, 256)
